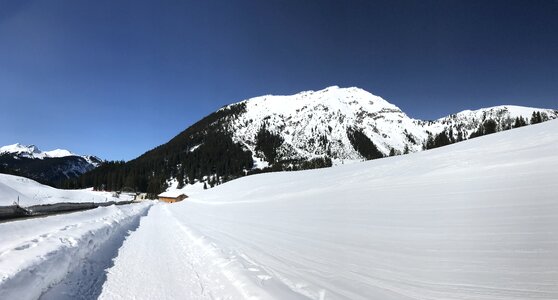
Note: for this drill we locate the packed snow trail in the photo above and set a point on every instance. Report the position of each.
(474, 220)
(174, 263)
(63, 256)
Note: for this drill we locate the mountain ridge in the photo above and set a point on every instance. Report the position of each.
(48, 167)
(387, 126)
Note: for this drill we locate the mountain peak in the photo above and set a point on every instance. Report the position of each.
(351, 101)
(33, 151)
(19, 148)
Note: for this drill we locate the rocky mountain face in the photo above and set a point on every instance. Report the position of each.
(49, 167)
(307, 130)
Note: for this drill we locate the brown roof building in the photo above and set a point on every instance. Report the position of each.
(172, 196)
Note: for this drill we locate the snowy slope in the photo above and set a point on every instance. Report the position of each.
(31, 192)
(473, 220)
(315, 123)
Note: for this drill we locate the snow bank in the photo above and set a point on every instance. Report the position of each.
(36, 254)
(474, 220)
(31, 192)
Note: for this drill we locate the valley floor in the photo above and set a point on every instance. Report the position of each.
(474, 220)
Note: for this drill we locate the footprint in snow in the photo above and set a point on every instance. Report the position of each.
(69, 241)
(264, 277)
(22, 247)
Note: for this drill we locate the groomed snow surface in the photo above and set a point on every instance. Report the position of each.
(474, 220)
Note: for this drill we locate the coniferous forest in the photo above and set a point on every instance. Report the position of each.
(204, 149)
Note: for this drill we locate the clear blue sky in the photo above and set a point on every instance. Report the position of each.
(117, 78)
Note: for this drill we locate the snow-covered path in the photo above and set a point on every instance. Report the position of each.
(63, 256)
(474, 220)
(174, 263)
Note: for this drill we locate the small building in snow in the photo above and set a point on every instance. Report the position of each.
(172, 196)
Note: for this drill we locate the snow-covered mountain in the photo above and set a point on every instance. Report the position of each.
(45, 166)
(315, 124)
(311, 129)
(32, 151)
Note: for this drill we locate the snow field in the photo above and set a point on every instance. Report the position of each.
(473, 220)
(37, 254)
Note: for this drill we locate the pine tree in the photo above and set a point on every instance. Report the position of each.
(490, 126)
(180, 178)
(519, 122)
(406, 151)
(535, 117)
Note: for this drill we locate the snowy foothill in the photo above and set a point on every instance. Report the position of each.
(473, 220)
(29, 192)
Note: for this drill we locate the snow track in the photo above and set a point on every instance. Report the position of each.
(181, 264)
(64, 256)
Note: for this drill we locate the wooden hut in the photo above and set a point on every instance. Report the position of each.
(172, 196)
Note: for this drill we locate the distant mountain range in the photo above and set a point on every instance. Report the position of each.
(310, 129)
(50, 167)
